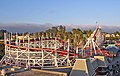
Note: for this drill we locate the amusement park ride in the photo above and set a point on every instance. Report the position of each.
(46, 52)
(93, 43)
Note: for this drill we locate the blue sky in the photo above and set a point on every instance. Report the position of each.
(82, 12)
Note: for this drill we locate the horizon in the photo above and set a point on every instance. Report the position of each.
(28, 27)
(65, 12)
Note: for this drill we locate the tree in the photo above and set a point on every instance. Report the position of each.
(61, 31)
(89, 32)
(54, 31)
(77, 36)
(2, 50)
(2, 33)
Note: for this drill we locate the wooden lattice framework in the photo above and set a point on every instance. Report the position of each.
(32, 52)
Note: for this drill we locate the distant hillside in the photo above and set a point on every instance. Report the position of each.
(25, 27)
(105, 28)
(15, 27)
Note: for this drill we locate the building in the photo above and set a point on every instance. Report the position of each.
(91, 67)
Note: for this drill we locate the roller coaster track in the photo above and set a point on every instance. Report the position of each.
(37, 53)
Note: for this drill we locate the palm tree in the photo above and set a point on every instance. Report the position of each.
(66, 36)
(61, 31)
(89, 32)
(54, 31)
(77, 36)
(74, 36)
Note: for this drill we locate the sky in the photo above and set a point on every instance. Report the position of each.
(80, 12)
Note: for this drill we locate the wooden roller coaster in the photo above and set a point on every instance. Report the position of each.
(47, 52)
(41, 52)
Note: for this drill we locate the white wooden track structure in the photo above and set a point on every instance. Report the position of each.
(36, 52)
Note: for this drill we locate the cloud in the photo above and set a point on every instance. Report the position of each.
(105, 28)
(25, 27)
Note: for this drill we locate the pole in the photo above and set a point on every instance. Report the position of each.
(68, 61)
(28, 51)
(56, 63)
(23, 40)
(5, 42)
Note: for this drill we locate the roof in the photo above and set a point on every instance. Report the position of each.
(113, 49)
(87, 67)
(82, 67)
(102, 60)
(115, 59)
